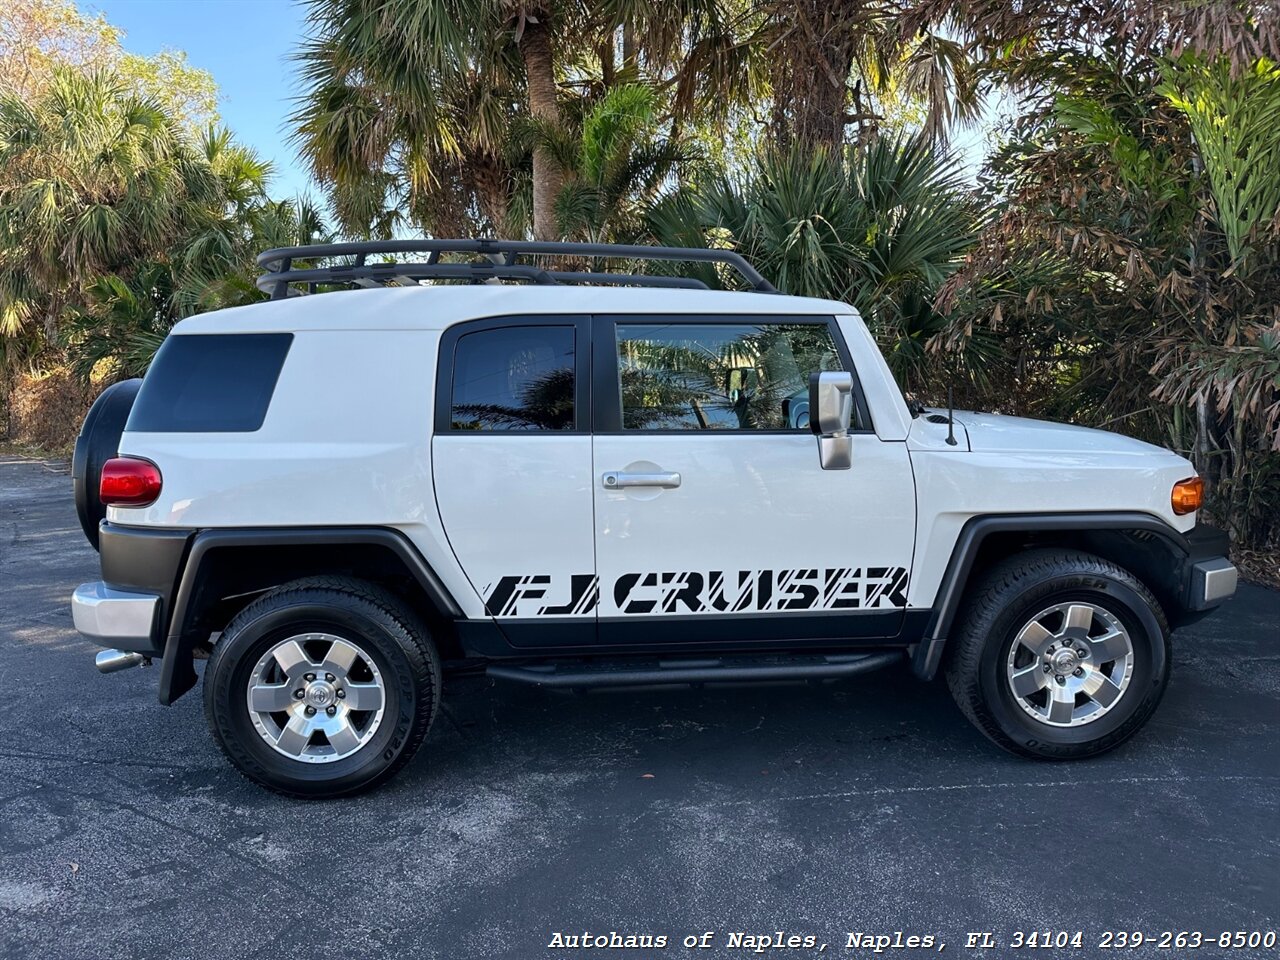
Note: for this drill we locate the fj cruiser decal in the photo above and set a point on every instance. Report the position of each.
(512, 595)
(740, 591)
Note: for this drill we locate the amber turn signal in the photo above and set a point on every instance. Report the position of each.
(1187, 495)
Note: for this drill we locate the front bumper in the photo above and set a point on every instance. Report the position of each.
(116, 618)
(1211, 582)
(1208, 578)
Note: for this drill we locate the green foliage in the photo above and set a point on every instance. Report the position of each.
(1133, 270)
(881, 227)
(115, 223)
(421, 114)
(614, 167)
(1235, 118)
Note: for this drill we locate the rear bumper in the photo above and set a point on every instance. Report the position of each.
(116, 618)
(129, 608)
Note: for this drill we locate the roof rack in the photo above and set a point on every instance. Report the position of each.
(499, 261)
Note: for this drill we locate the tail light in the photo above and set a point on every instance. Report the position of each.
(129, 482)
(1187, 495)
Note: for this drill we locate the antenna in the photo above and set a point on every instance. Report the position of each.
(951, 419)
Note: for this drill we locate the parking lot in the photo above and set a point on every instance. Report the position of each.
(866, 805)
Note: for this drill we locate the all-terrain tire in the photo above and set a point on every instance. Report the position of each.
(1008, 598)
(388, 633)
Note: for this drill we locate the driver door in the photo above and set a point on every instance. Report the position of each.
(714, 521)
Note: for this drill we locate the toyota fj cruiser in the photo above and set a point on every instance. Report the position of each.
(580, 478)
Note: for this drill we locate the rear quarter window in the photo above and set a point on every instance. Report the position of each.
(210, 383)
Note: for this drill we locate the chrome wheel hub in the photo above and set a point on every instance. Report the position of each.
(1070, 664)
(316, 697)
(1065, 661)
(320, 694)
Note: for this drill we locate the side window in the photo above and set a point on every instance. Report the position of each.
(210, 383)
(720, 376)
(514, 378)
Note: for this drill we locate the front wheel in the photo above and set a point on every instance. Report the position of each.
(322, 687)
(1059, 655)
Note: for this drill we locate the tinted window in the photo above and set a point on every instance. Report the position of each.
(721, 376)
(203, 383)
(514, 378)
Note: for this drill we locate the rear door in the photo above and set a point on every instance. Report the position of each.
(715, 522)
(511, 462)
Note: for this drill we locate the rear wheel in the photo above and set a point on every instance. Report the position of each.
(1059, 655)
(322, 687)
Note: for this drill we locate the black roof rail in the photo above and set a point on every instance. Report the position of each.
(500, 262)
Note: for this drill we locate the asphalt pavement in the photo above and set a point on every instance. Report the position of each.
(864, 806)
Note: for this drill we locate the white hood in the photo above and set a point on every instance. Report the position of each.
(994, 432)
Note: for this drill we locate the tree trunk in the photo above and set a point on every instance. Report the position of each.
(535, 49)
(606, 61)
(628, 46)
(490, 178)
(810, 71)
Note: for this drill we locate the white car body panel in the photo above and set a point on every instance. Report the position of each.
(434, 308)
(347, 440)
(328, 454)
(519, 505)
(994, 432)
(749, 504)
(955, 489)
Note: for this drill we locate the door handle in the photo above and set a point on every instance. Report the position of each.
(616, 480)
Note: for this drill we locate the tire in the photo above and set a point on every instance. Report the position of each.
(395, 669)
(997, 646)
(98, 442)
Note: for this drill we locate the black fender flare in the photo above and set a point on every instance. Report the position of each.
(928, 652)
(177, 671)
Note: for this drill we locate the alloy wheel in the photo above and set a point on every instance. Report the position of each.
(316, 697)
(1070, 664)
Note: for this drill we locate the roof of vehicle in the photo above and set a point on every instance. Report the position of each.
(434, 307)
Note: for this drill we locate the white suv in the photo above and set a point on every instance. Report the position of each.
(585, 478)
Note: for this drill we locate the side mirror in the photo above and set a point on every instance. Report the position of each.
(830, 414)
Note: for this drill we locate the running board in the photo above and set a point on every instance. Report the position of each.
(715, 670)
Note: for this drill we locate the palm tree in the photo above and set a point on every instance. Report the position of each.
(93, 180)
(113, 224)
(426, 106)
(881, 227)
(833, 59)
(614, 163)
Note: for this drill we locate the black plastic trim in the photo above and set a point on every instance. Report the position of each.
(1205, 542)
(177, 674)
(576, 636)
(566, 636)
(144, 560)
(928, 654)
(824, 627)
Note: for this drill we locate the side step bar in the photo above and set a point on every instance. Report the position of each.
(715, 670)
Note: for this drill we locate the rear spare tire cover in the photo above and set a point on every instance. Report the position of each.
(98, 442)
